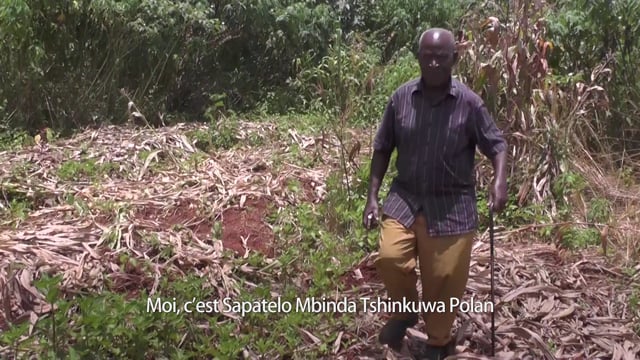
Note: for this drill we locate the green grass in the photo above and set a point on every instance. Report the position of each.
(85, 169)
(17, 211)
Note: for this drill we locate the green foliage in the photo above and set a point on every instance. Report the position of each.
(568, 183)
(579, 238)
(19, 209)
(602, 26)
(188, 56)
(344, 209)
(66, 62)
(11, 139)
(396, 24)
(76, 170)
(627, 176)
(599, 211)
(513, 216)
(221, 135)
(78, 328)
(341, 76)
(608, 33)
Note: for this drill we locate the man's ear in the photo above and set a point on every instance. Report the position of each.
(455, 58)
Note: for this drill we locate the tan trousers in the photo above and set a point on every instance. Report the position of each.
(444, 270)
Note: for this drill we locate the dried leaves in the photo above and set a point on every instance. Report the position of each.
(547, 307)
(553, 308)
(143, 191)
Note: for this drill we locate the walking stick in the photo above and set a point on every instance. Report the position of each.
(493, 317)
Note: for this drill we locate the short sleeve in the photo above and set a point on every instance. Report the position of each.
(385, 137)
(487, 136)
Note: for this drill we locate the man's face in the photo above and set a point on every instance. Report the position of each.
(436, 62)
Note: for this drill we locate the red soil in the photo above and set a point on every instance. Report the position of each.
(248, 223)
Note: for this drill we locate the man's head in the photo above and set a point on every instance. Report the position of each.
(437, 55)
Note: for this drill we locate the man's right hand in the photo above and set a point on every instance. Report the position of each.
(370, 218)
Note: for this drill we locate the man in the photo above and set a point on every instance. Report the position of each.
(435, 123)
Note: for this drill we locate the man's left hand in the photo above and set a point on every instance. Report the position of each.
(498, 197)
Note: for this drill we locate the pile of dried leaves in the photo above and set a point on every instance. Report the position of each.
(548, 306)
(123, 187)
(155, 181)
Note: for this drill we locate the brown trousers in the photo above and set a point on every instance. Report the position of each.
(444, 270)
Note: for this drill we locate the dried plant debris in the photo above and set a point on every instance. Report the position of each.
(76, 205)
(114, 190)
(547, 307)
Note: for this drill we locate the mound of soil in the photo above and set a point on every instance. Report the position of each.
(248, 223)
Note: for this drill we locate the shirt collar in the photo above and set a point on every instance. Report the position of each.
(454, 89)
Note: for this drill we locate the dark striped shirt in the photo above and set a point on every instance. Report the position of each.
(436, 146)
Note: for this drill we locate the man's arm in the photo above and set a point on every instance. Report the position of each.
(383, 145)
(379, 167)
(493, 145)
(499, 192)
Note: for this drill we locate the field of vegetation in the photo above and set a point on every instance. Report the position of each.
(209, 150)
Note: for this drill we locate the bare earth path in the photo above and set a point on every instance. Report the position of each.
(153, 187)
